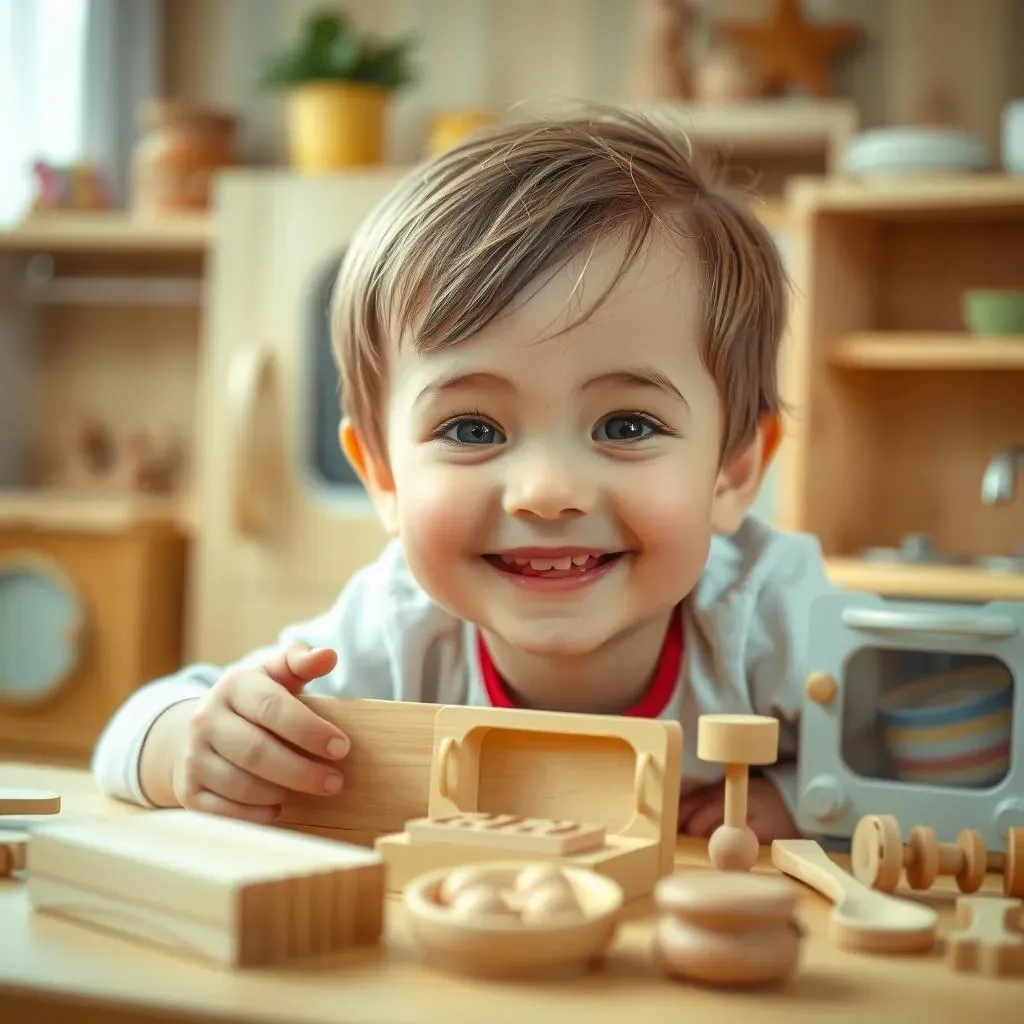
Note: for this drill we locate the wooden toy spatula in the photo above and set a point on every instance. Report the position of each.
(862, 919)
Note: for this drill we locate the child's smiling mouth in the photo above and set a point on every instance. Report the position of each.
(559, 568)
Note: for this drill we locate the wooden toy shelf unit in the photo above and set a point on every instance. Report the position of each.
(100, 318)
(899, 409)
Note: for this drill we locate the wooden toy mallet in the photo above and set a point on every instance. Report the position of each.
(737, 741)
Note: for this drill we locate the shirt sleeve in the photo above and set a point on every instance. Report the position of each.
(747, 648)
(790, 577)
(392, 641)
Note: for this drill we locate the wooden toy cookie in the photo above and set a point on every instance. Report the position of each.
(513, 918)
(731, 930)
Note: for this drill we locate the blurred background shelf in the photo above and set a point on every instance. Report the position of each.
(99, 232)
(91, 513)
(926, 582)
(927, 350)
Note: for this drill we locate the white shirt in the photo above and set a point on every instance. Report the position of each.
(745, 634)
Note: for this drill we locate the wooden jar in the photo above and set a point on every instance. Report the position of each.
(177, 156)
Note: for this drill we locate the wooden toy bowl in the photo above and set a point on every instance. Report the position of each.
(509, 918)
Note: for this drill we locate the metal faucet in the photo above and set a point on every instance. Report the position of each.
(998, 483)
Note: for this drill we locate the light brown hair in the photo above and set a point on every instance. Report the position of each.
(463, 235)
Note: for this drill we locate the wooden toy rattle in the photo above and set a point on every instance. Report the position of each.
(737, 741)
(986, 945)
(862, 920)
(513, 918)
(735, 930)
(879, 856)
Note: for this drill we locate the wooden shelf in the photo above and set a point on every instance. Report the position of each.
(92, 513)
(905, 350)
(977, 194)
(108, 232)
(926, 582)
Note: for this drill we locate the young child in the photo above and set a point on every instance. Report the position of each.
(558, 344)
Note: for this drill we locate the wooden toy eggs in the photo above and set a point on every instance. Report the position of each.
(513, 918)
(732, 930)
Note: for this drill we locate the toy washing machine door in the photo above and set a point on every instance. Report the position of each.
(41, 627)
(915, 710)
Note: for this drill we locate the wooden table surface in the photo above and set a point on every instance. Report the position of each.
(78, 973)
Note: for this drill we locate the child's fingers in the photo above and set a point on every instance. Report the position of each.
(212, 803)
(252, 746)
(299, 664)
(233, 783)
(706, 818)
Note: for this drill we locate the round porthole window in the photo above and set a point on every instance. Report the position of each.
(41, 619)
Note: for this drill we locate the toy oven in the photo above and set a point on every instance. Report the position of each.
(914, 710)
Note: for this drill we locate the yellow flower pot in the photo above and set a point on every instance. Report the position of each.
(333, 125)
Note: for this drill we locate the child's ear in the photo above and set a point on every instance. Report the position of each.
(374, 475)
(741, 476)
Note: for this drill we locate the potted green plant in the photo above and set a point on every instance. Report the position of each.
(338, 83)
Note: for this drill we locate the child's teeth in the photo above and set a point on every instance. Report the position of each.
(541, 564)
(521, 561)
(580, 559)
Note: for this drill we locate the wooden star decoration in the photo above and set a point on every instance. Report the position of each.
(789, 51)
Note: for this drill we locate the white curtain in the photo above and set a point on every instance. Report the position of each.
(72, 73)
(42, 66)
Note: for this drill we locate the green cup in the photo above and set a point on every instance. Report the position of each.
(994, 311)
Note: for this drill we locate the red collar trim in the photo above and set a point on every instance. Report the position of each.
(651, 705)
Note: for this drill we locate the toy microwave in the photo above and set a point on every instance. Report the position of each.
(913, 710)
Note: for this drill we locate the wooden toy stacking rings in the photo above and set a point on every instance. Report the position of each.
(737, 741)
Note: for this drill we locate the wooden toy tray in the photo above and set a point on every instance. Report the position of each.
(600, 772)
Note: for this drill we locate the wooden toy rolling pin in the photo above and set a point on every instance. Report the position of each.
(737, 741)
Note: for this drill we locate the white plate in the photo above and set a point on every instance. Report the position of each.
(914, 150)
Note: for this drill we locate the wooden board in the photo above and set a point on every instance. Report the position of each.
(386, 773)
(228, 890)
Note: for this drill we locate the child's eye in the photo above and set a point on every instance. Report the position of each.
(626, 428)
(469, 432)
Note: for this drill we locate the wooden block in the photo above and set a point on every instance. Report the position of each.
(232, 891)
(12, 851)
(28, 801)
(387, 771)
(986, 945)
(510, 832)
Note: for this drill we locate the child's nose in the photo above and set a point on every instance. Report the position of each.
(549, 487)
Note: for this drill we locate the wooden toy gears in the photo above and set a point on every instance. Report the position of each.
(734, 930)
(513, 918)
(879, 856)
(737, 741)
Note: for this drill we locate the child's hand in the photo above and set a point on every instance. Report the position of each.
(701, 812)
(251, 741)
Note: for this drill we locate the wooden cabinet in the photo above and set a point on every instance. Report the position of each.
(896, 410)
(283, 528)
(99, 318)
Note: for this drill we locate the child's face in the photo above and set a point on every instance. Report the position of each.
(594, 455)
